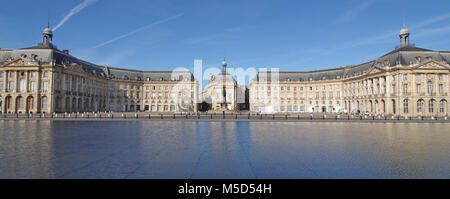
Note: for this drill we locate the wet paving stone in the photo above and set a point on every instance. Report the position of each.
(203, 150)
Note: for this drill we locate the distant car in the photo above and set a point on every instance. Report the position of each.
(366, 113)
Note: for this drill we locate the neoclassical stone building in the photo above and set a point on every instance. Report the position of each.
(43, 79)
(408, 81)
(223, 93)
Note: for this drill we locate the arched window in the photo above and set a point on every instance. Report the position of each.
(431, 106)
(405, 106)
(419, 106)
(442, 106)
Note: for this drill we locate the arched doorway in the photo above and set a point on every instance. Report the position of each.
(394, 110)
(377, 107)
(30, 104)
(67, 104)
(74, 104)
(8, 104)
(86, 105)
(91, 108)
(357, 107)
(57, 104)
(79, 108)
(19, 104)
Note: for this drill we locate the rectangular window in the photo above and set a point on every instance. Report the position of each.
(1, 86)
(45, 74)
(440, 76)
(11, 86)
(11, 74)
(405, 89)
(1, 74)
(431, 106)
(32, 86)
(405, 106)
(20, 102)
(442, 106)
(44, 102)
(289, 108)
(417, 77)
(430, 88)
(45, 86)
(441, 89)
(418, 86)
(405, 77)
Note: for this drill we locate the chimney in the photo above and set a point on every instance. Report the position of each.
(66, 51)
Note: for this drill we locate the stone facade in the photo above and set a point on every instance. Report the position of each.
(43, 79)
(408, 81)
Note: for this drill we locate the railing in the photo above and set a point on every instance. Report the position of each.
(216, 116)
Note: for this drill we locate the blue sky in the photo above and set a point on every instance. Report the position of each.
(165, 34)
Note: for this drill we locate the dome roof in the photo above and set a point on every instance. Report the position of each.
(48, 31)
(404, 31)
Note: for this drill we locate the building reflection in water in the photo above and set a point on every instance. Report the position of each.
(26, 149)
(193, 149)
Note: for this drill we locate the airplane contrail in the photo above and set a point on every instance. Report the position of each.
(74, 10)
(139, 29)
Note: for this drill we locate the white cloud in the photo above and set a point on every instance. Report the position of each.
(73, 11)
(138, 30)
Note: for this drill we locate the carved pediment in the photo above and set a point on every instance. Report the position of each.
(21, 62)
(374, 70)
(76, 67)
(432, 65)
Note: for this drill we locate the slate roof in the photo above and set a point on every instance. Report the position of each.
(45, 54)
(405, 55)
